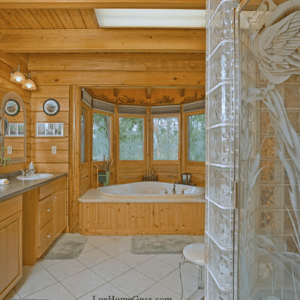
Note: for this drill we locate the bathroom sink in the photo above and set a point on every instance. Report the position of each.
(36, 176)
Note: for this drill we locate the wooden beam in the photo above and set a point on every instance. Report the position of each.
(116, 62)
(121, 79)
(103, 40)
(91, 4)
(148, 93)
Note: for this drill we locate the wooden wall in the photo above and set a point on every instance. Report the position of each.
(41, 153)
(9, 61)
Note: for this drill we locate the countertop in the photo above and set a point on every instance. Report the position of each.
(17, 187)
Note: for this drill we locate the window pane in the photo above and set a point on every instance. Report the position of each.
(101, 136)
(196, 138)
(165, 138)
(83, 129)
(131, 136)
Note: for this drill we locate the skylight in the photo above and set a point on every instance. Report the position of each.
(151, 18)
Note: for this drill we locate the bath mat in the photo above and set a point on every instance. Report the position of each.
(67, 246)
(160, 244)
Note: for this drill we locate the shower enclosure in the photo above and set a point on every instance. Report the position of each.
(253, 150)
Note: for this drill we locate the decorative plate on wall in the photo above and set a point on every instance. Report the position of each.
(12, 108)
(51, 107)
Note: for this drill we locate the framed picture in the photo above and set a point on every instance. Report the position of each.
(15, 130)
(51, 107)
(50, 129)
(12, 107)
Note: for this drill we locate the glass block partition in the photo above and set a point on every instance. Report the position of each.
(220, 118)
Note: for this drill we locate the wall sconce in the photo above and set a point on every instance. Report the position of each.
(18, 77)
(29, 84)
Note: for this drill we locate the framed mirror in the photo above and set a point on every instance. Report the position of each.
(13, 128)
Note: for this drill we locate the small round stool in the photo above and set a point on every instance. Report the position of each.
(193, 254)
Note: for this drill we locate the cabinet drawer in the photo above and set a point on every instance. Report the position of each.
(10, 207)
(46, 237)
(52, 187)
(45, 211)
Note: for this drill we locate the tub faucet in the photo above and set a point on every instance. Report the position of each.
(166, 191)
(174, 189)
(182, 192)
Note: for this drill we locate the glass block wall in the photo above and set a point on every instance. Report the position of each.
(220, 136)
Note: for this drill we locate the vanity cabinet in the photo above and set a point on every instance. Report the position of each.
(10, 244)
(45, 209)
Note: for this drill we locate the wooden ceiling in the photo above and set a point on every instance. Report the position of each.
(48, 19)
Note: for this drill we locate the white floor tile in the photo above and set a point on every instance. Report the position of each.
(110, 269)
(66, 268)
(132, 283)
(114, 248)
(30, 269)
(155, 269)
(92, 257)
(126, 240)
(12, 295)
(159, 291)
(172, 281)
(190, 269)
(34, 282)
(53, 292)
(104, 291)
(98, 241)
(47, 263)
(132, 260)
(82, 283)
(87, 247)
(171, 259)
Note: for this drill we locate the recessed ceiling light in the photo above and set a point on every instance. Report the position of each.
(151, 18)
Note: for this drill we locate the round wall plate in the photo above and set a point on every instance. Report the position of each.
(12, 107)
(51, 107)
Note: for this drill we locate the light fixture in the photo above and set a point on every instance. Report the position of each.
(29, 84)
(17, 76)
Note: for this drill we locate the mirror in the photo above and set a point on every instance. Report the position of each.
(13, 127)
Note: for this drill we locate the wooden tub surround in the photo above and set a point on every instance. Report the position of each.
(101, 216)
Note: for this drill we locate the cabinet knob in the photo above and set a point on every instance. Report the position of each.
(48, 209)
(48, 236)
(55, 197)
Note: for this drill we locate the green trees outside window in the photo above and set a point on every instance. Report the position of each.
(165, 138)
(196, 137)
(101, 136)
(131, 138)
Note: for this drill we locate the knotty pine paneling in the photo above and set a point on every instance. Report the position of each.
(142, 218)
(9, 61)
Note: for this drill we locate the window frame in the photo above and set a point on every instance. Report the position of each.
(153, 161)
(187, 135)
(144, 117)
(111, 134)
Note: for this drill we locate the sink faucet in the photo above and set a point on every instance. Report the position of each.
(174, 189)
(25, 172)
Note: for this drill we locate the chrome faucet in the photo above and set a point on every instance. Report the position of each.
(25, 172)
(182, 192)
(166, 191)
(174, 189)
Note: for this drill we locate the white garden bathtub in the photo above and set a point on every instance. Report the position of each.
(144, 192)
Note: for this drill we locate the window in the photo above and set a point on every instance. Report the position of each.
(83, 135)
(101, 136)
(131, 138)
(196, 137)
(165, 138)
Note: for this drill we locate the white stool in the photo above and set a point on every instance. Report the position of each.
(193, 254)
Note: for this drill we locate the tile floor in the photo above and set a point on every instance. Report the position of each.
(107, 268)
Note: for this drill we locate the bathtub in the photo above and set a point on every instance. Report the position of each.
(142, 208)
(144, 192)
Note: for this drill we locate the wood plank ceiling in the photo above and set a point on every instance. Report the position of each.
(48, 19)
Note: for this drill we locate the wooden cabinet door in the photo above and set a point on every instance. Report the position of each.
(59, 212)
(10, 253)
